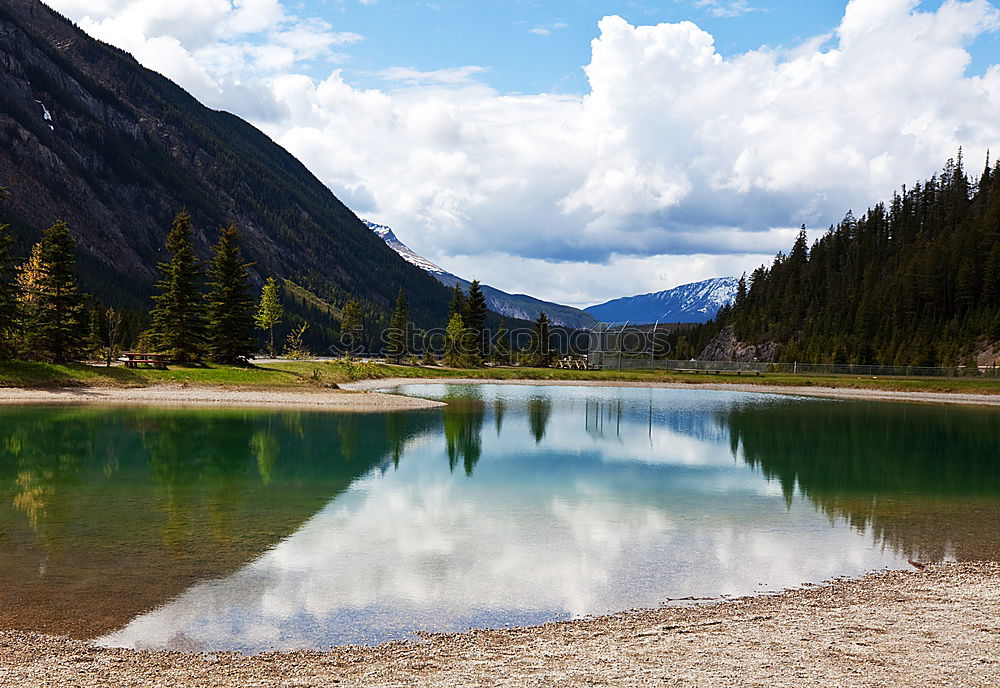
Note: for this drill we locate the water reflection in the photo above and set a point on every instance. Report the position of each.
(307, 530)
(105, 513)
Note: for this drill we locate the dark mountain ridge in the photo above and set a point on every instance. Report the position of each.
(90, 136)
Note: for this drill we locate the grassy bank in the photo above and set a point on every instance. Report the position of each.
(292, 374)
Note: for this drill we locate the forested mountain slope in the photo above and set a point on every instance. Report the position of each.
(914, 282)
(90, 136)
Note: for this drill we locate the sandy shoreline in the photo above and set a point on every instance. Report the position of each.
(824, 392)
(363, 396)
(182, 395)
(935, 627)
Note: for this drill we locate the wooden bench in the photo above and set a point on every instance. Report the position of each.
(133, 359)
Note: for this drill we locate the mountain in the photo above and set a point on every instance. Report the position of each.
(90, 136)
(516, 306)
(689, 303)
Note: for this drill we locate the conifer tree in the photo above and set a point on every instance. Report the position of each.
(230, 305)
(54, 324)
(8, 293)
(458, 303)
(475, 319)
(179, 310)
(351, 333)
(501, 351)
(269, 312)
(398, 327)
(540, 343)
(96, 341)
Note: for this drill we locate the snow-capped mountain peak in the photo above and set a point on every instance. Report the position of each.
(410, 256)
(518, 306)
(696, 302)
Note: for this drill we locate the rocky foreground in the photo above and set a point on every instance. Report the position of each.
(936, 627)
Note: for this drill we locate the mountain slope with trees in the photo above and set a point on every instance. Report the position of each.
(912, 282)
(89, 136)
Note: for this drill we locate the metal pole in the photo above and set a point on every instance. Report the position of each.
(652, 345)
(620, 345)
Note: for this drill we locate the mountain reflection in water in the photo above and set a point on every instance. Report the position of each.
(512, 505)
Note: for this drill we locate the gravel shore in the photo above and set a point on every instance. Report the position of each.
(825, 392)
(936, 627)
(181, 395)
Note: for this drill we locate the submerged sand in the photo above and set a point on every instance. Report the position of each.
(939, 626)
(184, 395)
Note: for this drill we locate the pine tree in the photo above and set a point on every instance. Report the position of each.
(54, 325)
(351, 327)
(179, 310)
(458, 303)
(96, 340)
(9, 310)
(230, 305)
(475, 319)
(501, 351)
(540, 342)
(269, 313)
(398, 329)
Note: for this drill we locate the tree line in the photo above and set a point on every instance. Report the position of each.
(467, 341)
(199, 312)
(912, 283)
(207, 311)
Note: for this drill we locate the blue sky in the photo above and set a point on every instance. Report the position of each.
(702, 135)
(531, 47)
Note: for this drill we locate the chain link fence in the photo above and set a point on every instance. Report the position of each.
(627, 361)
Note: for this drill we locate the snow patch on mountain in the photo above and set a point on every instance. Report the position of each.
(46, 115)
(688, 303)
(411, 257)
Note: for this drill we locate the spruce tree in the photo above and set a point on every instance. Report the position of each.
(351, 333)
(541, 353)
(269, 313)
(475, 319)
(458, 303)
(96, 340)
(501, 350)
(179, 310)
(398, 326)
(54, 318)
(230, 305)
(8, 294)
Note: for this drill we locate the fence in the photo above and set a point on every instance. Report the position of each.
(626, 361)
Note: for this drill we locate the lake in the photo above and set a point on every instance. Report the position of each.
(216, 529)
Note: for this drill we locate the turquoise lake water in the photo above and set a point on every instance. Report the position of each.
(253, 530)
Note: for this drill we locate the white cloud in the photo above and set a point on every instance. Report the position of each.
(674, 151)
(415, 77)
(723, 8)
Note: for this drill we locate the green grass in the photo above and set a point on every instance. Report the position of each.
(278, 375)
(968, 385)
(307, 374)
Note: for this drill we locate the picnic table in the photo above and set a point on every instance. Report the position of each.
(133, 359)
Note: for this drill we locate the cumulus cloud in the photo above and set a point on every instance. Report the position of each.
(217, 49)
(675, 150)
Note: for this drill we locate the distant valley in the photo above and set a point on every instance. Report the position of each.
(517, 306)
